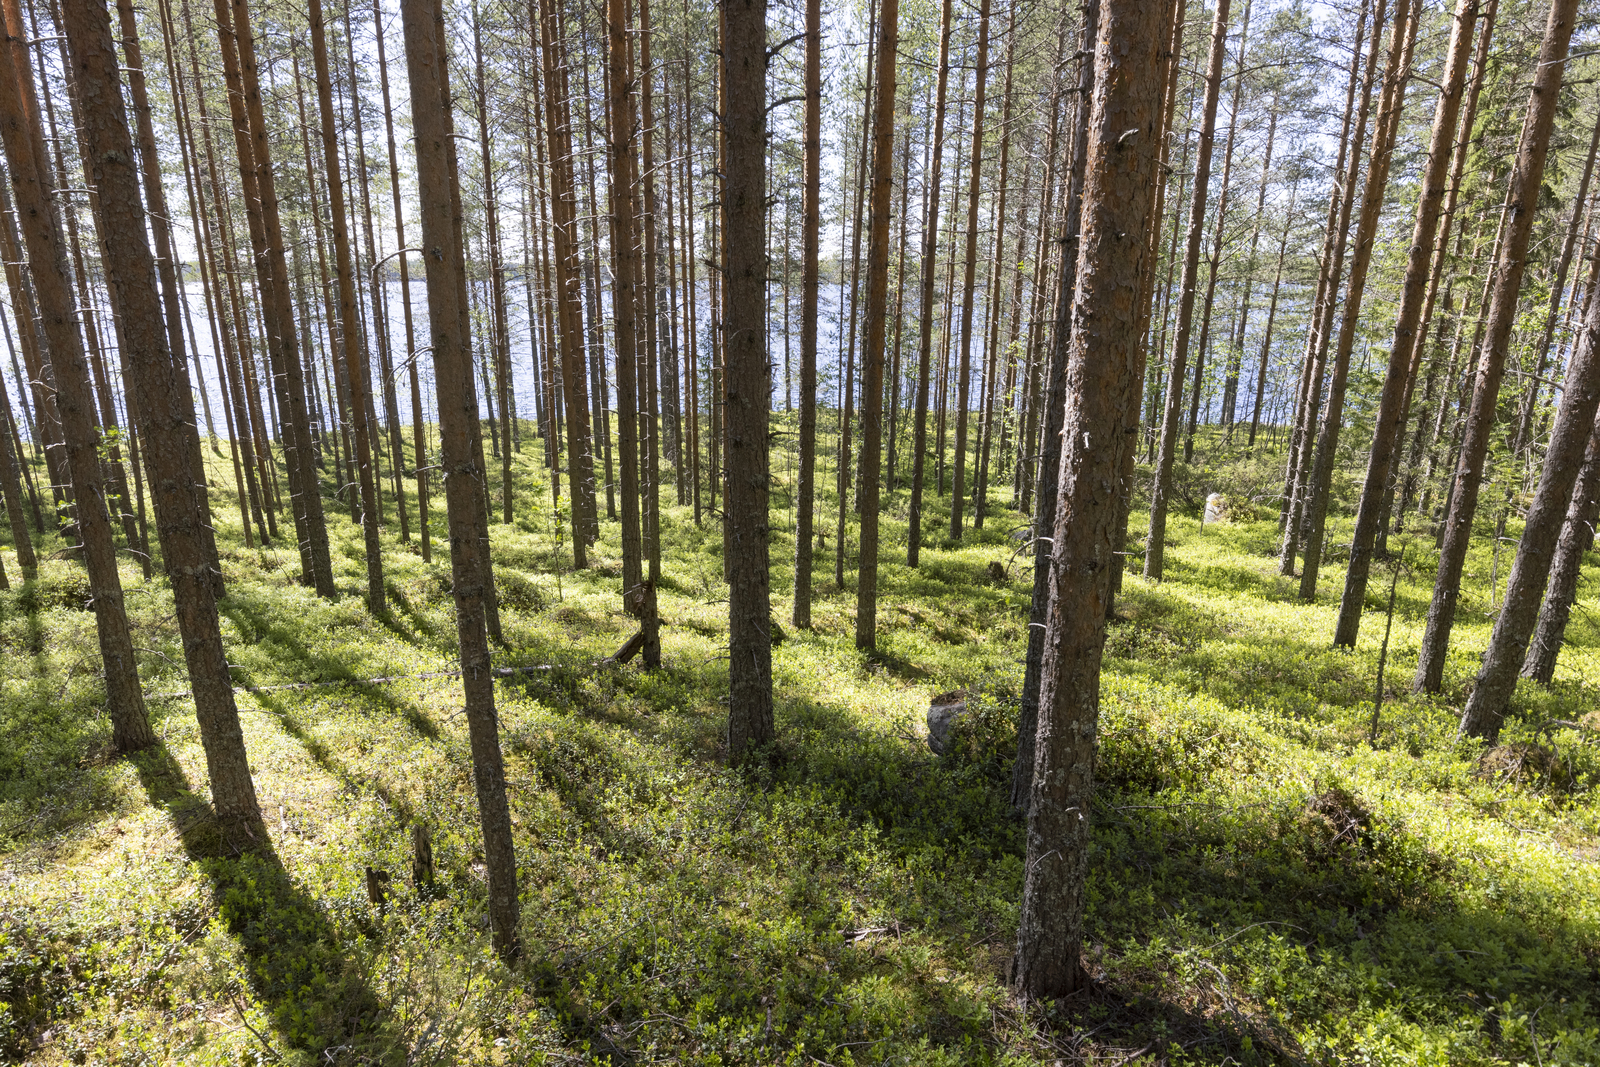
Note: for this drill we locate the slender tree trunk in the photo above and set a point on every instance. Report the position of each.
(810, 240)
(440, 200)
(166, 269)
(964, 373)
(991, 347)
(1272, 317)
(569, 289)
(1304, 439)
(1406, 349)
(501, 333)
(847, 376)
(1106, 373)
(1055, 399)
(354, 356)
(40, 375)
(163, 408)
(1522, 201)
(1219, 233)
(744, 74)
(624, 289)
(925, 318)
(1162, 489)
(418, 426)
(255, 167)
(1577, 537)
(692, 358)
(1558, 290)
(1230, 388)
(33, 190)
(650, 393)
(11, 461)
(877, 317)
(1402, 39)
(1545, 533)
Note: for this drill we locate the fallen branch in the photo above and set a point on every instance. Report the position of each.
(629, 649)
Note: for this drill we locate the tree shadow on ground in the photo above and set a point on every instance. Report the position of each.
(419, 623)
(320, 666)
(1325, 896)
(315, 993)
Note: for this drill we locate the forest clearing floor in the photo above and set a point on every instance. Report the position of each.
(1266, 886)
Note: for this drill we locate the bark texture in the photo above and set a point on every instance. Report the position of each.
(1105, 378)
(877, 318)
(1521, 204)
(33, 190)
(1172, 412)
(747, 380)
(1405, 350)
(440, 201)
(1545, 525)
(158, 389)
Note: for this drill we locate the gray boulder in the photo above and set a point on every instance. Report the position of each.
(943, 712)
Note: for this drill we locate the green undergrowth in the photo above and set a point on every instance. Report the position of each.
(1266, 885)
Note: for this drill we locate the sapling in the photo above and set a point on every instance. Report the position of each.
(1396, 565)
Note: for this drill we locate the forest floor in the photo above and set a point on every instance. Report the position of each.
(1266, 885)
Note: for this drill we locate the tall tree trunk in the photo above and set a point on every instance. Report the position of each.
(11, 465)
(1106, 373)
(691, 362)
(1406, 350)
(1558, 290)
(847, 374)
(440, 201)
(418, 426)
(925, 318)
(1521, 204)
(501, 333)
(166, 270)
(1577, 536)
(624, 288)
(163, 407)
(892, 448)
(1330, 269)
(744, 270)
(266, 233)
(355, 357)
(1219, 233)
(39, 376)
(1546, 525)
(969, 280)
(877, 317)
(33, 189)
(1402, 39)
(1230, 387)
(650, 393)
(991, 346)
(236, 418)
(1162, 489)
(379, 305)
(1055, 400)
(1272, 317)
(810, 240)
(569, 287)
